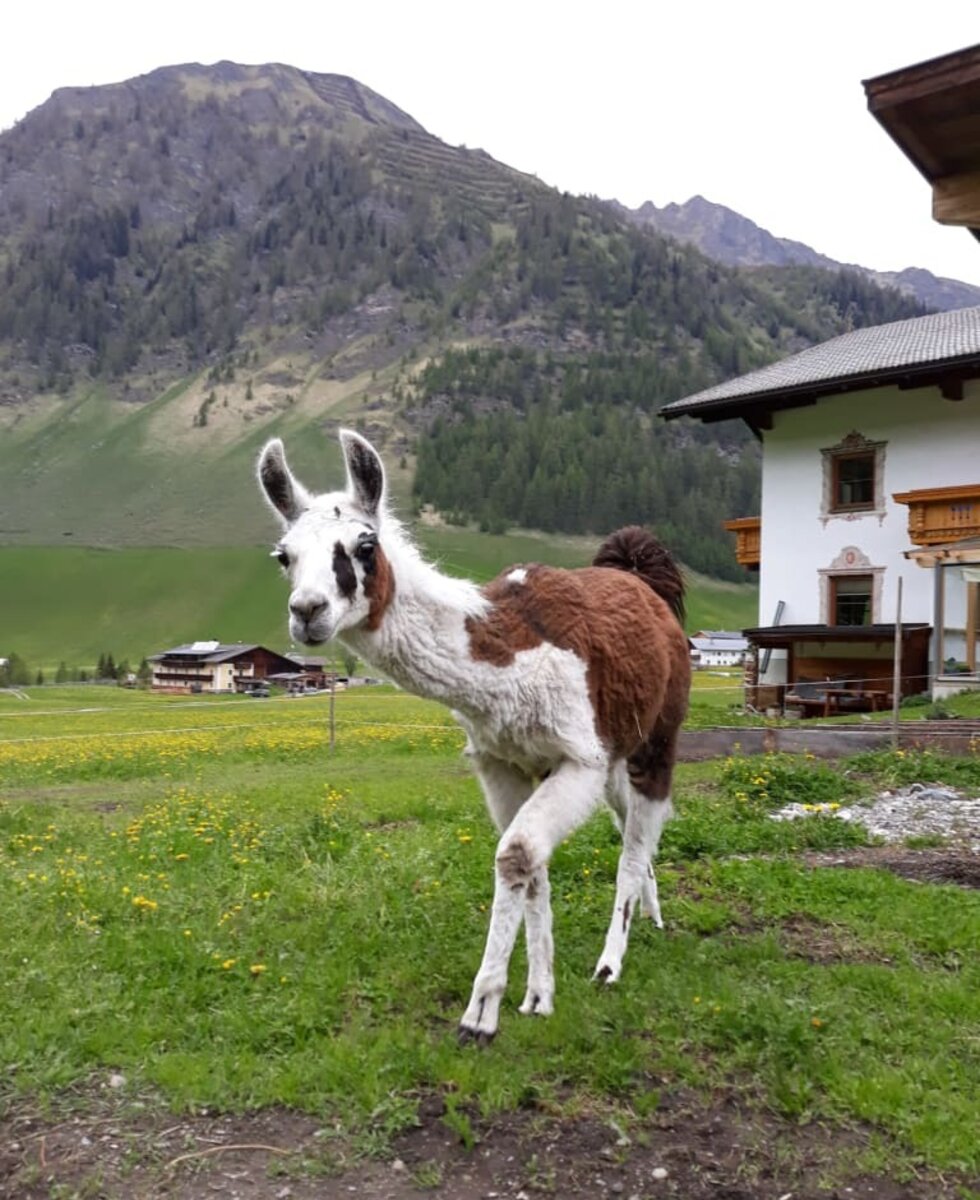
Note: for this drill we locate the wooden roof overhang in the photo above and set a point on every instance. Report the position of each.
(932, 112)
(962, 553)
(756, 409)
(781, 637)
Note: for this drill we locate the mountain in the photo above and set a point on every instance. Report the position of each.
(204, 256)
(730, 238)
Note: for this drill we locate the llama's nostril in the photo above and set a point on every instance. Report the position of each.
(307, 608)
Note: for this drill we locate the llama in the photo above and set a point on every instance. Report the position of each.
(570, 685)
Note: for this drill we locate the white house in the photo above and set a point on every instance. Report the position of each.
(870, 475)
(717, 648)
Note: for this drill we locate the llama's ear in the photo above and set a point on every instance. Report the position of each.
(283, 491)
(365, 472)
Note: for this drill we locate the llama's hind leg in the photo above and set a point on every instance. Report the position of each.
(647, 809)
(618, 799)
(560, 804)
(505, 789)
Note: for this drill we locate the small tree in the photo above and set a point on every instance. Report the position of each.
(61, 675)
(144, 673)
(15, 673)
(350, 663)
(39, 679)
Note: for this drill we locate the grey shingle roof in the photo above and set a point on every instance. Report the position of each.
(212, 653)
(865, 354)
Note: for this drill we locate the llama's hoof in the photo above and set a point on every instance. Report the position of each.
(606, 973)
(537, 1003)
(479, 1037)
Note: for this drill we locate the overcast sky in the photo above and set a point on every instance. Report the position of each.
(754, 104)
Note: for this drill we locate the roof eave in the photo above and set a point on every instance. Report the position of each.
(750, 405)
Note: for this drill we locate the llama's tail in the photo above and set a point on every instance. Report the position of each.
(636, 550)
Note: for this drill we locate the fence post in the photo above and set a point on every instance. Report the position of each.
(897, 671)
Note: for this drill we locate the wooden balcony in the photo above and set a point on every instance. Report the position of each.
(946, 514)
(748, 540)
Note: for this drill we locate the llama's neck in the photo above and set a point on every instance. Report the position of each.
(421, 642)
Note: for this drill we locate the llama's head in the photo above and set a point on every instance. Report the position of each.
(329, 547)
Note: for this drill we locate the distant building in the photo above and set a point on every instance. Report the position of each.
(718, 648)
(218, 667)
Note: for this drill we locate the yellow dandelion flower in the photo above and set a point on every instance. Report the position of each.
(228, 964)
(257, 968)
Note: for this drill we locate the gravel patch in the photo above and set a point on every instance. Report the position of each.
(918, 810)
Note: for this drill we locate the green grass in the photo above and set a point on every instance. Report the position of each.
(74, 603)
(201, 896)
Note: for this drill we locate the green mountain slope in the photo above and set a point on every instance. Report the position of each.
(73, 604)
(204, 256)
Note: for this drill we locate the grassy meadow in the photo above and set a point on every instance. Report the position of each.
(74, 603)
(199, 895)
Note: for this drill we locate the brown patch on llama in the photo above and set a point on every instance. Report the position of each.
(379, 587)
(635, 652)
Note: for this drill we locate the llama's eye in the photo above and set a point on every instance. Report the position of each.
(367, 543)
(281, 557)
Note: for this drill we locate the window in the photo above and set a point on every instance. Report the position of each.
(854, 482)
(853, 479)
(850, 599)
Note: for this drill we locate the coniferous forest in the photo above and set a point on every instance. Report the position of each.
(252, 237)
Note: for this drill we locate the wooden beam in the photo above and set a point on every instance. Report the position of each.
(956, 199)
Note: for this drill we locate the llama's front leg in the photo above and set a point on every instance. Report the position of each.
(636, 884)
(559, 805)
(539, 1000)
(479, 1021)
(506, 788)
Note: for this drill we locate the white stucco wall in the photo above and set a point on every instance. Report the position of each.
(930, 442)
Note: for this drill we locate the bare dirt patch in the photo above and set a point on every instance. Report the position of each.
(723, 1150)
(823, 944)
(939, 865)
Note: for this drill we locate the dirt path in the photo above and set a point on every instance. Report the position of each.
(723, 1152)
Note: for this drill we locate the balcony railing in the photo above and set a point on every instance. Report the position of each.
(946, 514)
(748, 540)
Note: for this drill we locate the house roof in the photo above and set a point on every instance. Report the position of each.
(211, 652)
(938, 347)
(932, 112)
(729, 644)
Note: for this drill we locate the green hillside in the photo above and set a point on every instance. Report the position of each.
(202, 257)
(73, 604)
